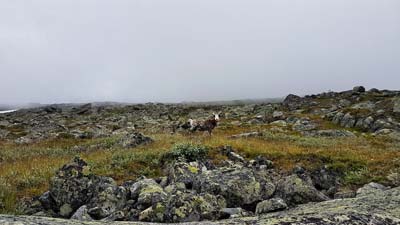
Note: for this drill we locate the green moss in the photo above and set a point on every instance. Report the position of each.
(151, 189)
(179, 213)
(159, 211)
(193, 169)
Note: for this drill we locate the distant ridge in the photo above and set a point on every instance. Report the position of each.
(236, 102)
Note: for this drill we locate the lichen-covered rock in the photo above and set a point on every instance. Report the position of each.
(230, 213)
(329, 133)
(3, 134)
(348, 121)
(237, 184)
(279, 123)
(394, 178)
(71, 189)
(278, 115)
(345, 194)
(109, 199)
(295, 190)
(379, 208)
(134, 139)
(185, 172)
(147, 192)
(66, 210)
(371, 188)
(365, 123)
(326, 180)
(196, 207)
(247, 135)
(31, 206)
(82, 214)
(292, 101)
(381, 124)
(261, 162)
(304, 125)
(364, 105)
(271, 205)
(47, 201)
(344, 103)
(231, 154)
(185, 207)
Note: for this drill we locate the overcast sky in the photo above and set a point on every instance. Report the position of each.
(176, 50)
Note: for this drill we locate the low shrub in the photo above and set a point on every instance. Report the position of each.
(190, 152)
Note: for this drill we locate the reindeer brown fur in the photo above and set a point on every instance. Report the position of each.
(207, 125)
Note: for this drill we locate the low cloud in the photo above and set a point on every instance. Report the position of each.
(178, 50)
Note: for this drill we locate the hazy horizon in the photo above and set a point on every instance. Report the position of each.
(71, 51)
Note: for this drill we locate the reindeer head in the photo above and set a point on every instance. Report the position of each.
(191, 122)
(217, 116)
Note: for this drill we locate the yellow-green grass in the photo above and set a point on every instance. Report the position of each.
(25, 170)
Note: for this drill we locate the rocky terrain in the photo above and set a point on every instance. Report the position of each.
(375, 111)
(239, 193)
(379, 207)
(307, 160)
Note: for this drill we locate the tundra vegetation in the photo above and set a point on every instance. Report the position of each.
(308, 132)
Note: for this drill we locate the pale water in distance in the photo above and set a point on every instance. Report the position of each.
(8, 111)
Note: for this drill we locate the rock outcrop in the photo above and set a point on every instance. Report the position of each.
(380, 207)
(191, 191)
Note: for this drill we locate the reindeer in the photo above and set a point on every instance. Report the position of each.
(207, 125)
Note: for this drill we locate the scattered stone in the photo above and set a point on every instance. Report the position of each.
(135, 139)
(247, 135)
(237, 184)
(374, 90)
(345, 194)
(183, 172)
(326, 180)
(236, 157)
(82, 214)
(146, 192)
(348, 121)
(384, 131)
(261, 162)
(3, 134)
(394, 179)
(359, 89)
(278, 115)
(364, 105)
(66, 210)
(304, 125)
(109, 199)
(47, 201)
(344, 103)
(296, 191)
(371, 188)
(330, 133)
(280, 123)
(270, 205)
(230, 213)
(292, 101)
